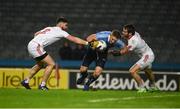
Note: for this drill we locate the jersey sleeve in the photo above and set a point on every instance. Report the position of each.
(132, 44)
(119, 44)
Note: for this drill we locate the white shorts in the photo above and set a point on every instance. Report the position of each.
(145, 61)
(35, 49)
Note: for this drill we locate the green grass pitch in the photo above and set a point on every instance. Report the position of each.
(22, 98)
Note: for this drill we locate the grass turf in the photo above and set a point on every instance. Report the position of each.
(21, 98)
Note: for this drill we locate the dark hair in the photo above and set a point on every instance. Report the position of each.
(116, 33)
(130, 28)
(61, 19)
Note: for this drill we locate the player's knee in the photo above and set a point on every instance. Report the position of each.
(132, 72)
(52, 65)
(83, 69)
(97, 73)
(41, 65)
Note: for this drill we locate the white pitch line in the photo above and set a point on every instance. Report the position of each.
(102, 100)
(127, 98)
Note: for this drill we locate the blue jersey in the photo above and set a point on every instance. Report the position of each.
(105, 36)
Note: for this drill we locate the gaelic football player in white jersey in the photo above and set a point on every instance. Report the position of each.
(137, 45)
(36, 46)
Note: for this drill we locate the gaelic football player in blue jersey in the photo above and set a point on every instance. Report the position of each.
(112, 39)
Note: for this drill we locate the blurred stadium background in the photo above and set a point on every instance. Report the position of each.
(158, 22)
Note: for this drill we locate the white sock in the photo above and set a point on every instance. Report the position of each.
(43, 83)
(26, 81)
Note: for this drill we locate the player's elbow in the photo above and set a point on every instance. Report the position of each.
(91, 38)
(88, 39)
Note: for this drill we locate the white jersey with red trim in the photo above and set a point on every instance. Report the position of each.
(49, 35)
(138, 45)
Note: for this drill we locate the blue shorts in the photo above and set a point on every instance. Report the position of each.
(100, 58)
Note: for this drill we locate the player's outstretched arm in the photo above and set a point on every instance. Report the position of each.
(77, 40)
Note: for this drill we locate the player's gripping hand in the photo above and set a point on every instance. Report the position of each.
(114, 52)
(93, 44)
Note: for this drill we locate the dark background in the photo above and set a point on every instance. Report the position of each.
(158, 22)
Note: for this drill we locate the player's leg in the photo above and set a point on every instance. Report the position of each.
(143, 63)
(134, 70)
(93, 77)
(38, 56)
(101, 58)
(151, 77)
(32, 72)
(83, 74)
(87, 60)
(50, 65)
(148, 71)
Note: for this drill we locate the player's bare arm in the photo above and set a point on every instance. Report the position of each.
(91, 38)
(76, 40)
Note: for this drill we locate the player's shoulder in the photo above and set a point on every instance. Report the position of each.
(119, 43)
(133, 40)
(104, 32)
(135, 37)
(58, 29)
